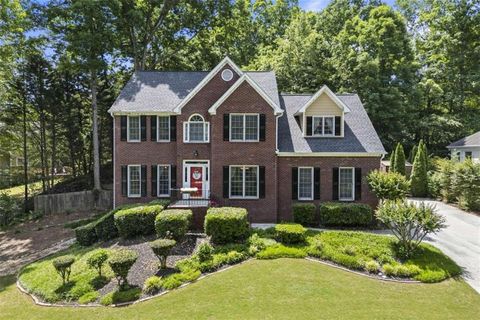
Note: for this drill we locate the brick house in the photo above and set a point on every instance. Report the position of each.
(229, 137)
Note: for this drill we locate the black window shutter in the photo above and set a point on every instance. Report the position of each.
(124, 180)
(309, 126)
(226, 127)
(173, 128)
(153, 128)
(143, 171)
(316, 183)
(154, 180)
(261, 182)
(173, 177)
(143, 127)
(226, 179)
(338, 126)
(123, 128)
(335, 184)
(358, 183)
(294, 183)
(263, 122)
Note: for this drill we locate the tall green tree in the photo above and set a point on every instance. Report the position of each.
(399, 165)
(392, 160)
(419, 177)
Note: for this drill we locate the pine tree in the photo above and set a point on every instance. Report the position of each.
(392, 161)
(419, 179)
(399, 160)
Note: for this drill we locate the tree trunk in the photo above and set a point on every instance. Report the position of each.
(25, 159)
(54, 151)
(96, 153)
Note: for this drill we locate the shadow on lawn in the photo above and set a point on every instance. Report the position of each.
(6, 281)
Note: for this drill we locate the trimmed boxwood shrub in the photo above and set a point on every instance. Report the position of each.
(136, 221)
(290, 233)
(163, 202)
(173, 223)
(304, 214)
(227, 224)
(86, 234)
(97, 259)
(120, 262)
(161, 248)
(105, 228)
(63, 266)
(345, 214)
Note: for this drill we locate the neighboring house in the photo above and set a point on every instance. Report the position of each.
(231, 135)
(468, 147)
(385, 166)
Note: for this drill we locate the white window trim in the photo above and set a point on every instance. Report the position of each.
(169, 180)
(298, 184)
(243, 182)
(139, 129)
(244, 127)
(323, 127)
(130, 195)
(353, 184)
(186, 129)
(158, 129)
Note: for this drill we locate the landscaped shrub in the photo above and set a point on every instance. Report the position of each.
(281, 251)
(419, 176)
(163, 202)
(177, 279)
(290, 233)
(445, 175)
(152, 285)
(399, 164)
(401, 271)
(226, 224)
(372, 266)
(345, 214)
(97, 259)
(88, 297)
(121, 296)
(161, 248)
(105, 228)
(121, 261)
(204, 252)
(63, 266)
(305, 214)
(173, 223)
(466, 183)
(388, 185)
(86, 234)
(137, 221)
(257, 244)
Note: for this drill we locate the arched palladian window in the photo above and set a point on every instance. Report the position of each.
(196, 129)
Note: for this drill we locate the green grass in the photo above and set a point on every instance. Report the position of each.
(41, 278)
(274, 289)
(33, 188)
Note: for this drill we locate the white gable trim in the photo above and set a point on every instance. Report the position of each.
(210, 75)
(213, 109)
(330, 94)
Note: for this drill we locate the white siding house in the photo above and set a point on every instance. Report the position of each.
(468, 147)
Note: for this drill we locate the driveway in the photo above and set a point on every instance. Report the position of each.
(460, 240)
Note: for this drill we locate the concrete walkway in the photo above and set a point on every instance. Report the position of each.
(460, 240)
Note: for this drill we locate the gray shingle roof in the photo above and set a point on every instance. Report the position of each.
(470, 141)
(157, 91)
(360, 135)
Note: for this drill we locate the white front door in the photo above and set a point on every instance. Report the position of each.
(196, 175)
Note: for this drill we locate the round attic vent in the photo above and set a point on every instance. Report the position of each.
(227, 75)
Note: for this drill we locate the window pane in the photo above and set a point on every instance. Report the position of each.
(236, 127)
(328, 125)
(346, 184)
(196, 131)
(317, 125)
(163, 128)
(250, 181)
(305, 183)
(134, 128)
(163, 180)
(251, 127)
(134, 172)
(236, 181)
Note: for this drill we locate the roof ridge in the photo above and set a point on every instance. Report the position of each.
(159, 71)
(295, 94)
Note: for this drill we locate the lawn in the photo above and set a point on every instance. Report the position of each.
(274, 289)
(33, 188)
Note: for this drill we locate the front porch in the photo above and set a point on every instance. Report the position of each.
(190, 198)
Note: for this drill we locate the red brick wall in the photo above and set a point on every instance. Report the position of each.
(326, 165)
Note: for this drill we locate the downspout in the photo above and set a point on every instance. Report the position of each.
(114, 167)
(276, 168)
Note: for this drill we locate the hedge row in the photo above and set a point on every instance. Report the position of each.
(333, 214)
(137, 221)
(227, 224)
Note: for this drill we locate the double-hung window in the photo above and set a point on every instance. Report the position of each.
(163, 180)
(324, 126)
(305, 183)
(163, 128)
(244, 127)
(346, 185)
(134, 181)
(244, 182)
(133, 129)
(196, 129)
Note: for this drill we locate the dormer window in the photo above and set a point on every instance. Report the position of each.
(196, 130)
(323, 126)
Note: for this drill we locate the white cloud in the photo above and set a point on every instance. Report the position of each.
(314, 5)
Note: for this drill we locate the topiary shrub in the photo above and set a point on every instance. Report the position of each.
(152, 285)
(137, 221)
(226, 224)
(173, 223)
(305, 214)
(204, 252)
(345, 214)
(63, 266)
(86, 235)
(161, 248)
(290, 233)
(120, 262)
(97, 259)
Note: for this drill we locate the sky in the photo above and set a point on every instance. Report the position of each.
(317, 5)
